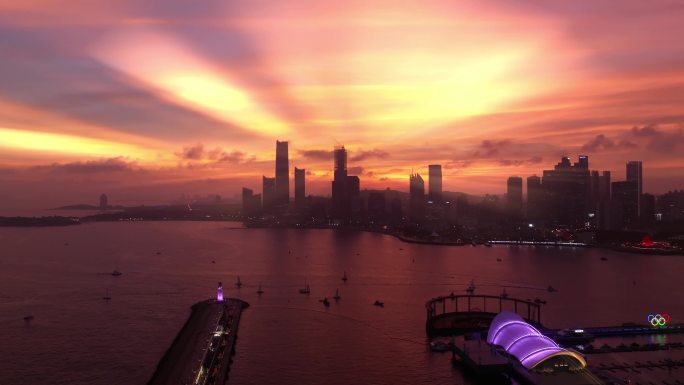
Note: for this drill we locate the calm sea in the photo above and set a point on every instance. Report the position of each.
(59, 275)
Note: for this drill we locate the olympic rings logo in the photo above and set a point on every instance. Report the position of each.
(658, 319)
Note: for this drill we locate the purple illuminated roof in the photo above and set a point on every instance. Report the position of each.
(521, 340)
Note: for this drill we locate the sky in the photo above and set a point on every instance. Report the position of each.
(148, 100)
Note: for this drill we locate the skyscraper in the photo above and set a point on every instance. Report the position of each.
(251, 204)
(534, 197)
(416, 198)
(268, 193)
(345, 188)
(300, 192)
(514, 195)
(282, 174)
(435, 182)
(634, 175)
(625, 193)
(567, 189)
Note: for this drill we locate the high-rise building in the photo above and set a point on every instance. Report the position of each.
(345, 188)
(251, 204)
(104, 204)
(567, 188)
(515, 195)
(625, 193)
(300, 192)
(416, 198)
(634, 175)
(534, 197)
(604, 186)
(268, 193)
(282, 174)
(376, 206)
(435, 183)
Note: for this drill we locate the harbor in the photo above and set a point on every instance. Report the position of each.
(201, 353)
(497, 340)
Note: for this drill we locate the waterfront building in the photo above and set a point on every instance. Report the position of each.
(251, 204)
(269, 193)
(634, 174)
(567, 189)
(416, 198)
(345, 188)
(282, 174)
(376, 207)
(535, 194)
(626, 193)
(435, 183)
(300, 188)
(515, 196)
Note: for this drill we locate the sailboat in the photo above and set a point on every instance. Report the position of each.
(260, 291)
(238, 284)
(306, 289)
(344, 277)
(116, 273)
(107, 297)
(337, 295)
(325, 302)
(471, 288)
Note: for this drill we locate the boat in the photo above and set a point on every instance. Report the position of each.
(604, 258)
(107, 297)
(344, 277)
(259, 290)
(471, 288)
(498, 259)
(551, 289)
(325, 302)
(28, 318)
(473, 243)
(337, 296)
(378, 303)
(116, 273)
(305, 290)
(441, 344)
(539, 301)
(504, 294)
(488, 244)
(238, 284)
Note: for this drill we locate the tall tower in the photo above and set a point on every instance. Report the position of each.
(219, 292)
(515, 189)
(534, 197)
(300, 186)
(435, 183)
(416, 198)
(340, 155)
(282, 173)
(634, 175)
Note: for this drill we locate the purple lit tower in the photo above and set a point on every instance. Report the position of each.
(219, 292)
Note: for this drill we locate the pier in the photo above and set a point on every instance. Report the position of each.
(202, 351)
(458, 314)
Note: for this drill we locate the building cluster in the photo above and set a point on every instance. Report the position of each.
(570, 194)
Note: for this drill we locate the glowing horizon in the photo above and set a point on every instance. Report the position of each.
(195, 96)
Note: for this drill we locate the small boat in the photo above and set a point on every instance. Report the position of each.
(107, 297)
(551, 289)
(504, 294)
(604, 258)
(259, 290)
(441, 345)
(158, 252)
(238, 284)
(400, 249)
(471, 288)
(305, 290)
(213, 261)
(116, 273)
(325, 302)
(488, 244)
(539, 301)
(573, 337)
(344, 277)
(337, 295)
(28, 318)
(474, 243)
(378, 303)
(498, 259)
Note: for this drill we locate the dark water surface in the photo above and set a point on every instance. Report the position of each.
(59, 275)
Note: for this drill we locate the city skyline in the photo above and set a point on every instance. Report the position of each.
(143, 102)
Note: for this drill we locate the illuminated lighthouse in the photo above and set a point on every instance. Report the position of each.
(219, 292)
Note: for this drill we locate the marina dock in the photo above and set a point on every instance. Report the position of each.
(202, 351)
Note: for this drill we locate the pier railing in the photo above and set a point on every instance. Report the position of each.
(463, 304)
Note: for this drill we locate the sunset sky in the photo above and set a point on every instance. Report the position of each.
(146, 100)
